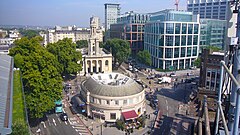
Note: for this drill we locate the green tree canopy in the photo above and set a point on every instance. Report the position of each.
(119, 48)
(197, 62)
(144, 57)
(40, 73)
(29, 33)
(82, 44)
(67, 56)
(213, 48)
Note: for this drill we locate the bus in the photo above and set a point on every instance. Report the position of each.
(58, 106)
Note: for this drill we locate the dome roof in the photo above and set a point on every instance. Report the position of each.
(112, 85)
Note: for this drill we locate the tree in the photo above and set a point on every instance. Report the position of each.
(82, 44)
(66, 54)
(213, 48)
(119, 48)
(29, 33)
(197, 62)
(19, 128)
(41, 75)
(144, 57)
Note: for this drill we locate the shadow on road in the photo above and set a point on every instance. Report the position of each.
(162, 126)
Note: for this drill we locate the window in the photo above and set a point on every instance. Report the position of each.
(177, 40)
(125, 102)
(106, 63)
(183, 50)
(194, 51)
(188, 51)
(91, 99)
(183, 43)
(189, 42)
(196, 29)
(169, 52)
(176, 53)
(169, 28)
(184, 28)
(177, 28)
(130, 101)
(108, 102)
(169, 41)
(190, 28)
(113, 116)
(116, 102)
(195, 40)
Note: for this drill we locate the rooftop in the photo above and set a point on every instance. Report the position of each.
(112, 85)
(6, 91)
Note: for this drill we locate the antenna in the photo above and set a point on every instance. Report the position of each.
(176, 4)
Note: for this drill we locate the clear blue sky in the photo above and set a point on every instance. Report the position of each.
(71, 12)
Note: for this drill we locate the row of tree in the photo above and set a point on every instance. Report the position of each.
(42, 69)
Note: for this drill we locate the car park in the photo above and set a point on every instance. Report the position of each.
(64, 117)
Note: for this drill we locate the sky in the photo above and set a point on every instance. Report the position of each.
(71, 12)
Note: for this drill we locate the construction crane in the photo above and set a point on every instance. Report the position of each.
(176, 4)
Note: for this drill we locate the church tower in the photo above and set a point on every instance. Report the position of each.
(93, 42)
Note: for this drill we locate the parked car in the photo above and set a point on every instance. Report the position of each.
(190, 74)
(64, 117)
(173, 74)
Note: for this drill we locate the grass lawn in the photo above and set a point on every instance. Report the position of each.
(18, 104)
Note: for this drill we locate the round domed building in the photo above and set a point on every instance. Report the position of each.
(112, 96)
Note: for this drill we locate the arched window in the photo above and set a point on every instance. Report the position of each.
(106, 63)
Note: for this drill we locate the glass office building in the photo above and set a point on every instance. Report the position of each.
(212, 33)
(172, 38)
(112, 11)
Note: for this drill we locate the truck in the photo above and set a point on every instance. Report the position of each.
(164, 79)
(58, 106)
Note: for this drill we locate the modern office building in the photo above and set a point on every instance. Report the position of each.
(112, 11)
(211, 9)
(6, 90)
(130, 27)
(112, 96)
(212, 33)
(172, 39)
(94, 58)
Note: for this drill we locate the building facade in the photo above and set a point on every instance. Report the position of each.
(112, 11)
(211, 9)
(113, 96)
(130, 27)
(94, 58)
(210, 70)
(172, 39)
(76, 34)
(212, 33)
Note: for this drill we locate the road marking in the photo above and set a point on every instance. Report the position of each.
(43, 124)
(59, 120)
(167, 114)
(54, 122)
(65, 122)
(49, 122)
(63, 111)
(167, 107)
(80, 133)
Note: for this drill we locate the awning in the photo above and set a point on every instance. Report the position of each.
(129, 115)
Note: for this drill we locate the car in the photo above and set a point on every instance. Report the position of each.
(190, 74)
(64, 117)
(173, 74)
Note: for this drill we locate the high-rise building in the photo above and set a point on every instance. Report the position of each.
(212, 33)
(130, 27)
(172, 39)
(112, 11)
(212, 9)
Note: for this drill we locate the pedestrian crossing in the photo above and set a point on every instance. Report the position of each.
(79, 127)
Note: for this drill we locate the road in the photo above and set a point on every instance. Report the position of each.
(172, 100)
